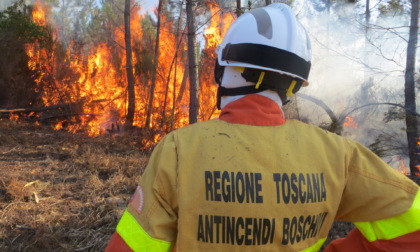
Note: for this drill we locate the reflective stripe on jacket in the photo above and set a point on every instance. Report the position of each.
(251, 181)
(400, 233)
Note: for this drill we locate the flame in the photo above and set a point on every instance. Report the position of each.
(350, 123)
(417, 173)
(38, 14)
(402, 168)
(13, 117)
(170, 72)
(93, 84)
(219, 24)
(36, 55)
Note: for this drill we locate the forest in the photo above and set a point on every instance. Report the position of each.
(88, 88)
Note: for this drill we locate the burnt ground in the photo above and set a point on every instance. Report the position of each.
(65, 192)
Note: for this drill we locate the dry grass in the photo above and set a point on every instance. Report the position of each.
(62, 191)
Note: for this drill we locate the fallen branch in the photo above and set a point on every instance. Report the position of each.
(53, 117)
(52, 107)
(68, 105)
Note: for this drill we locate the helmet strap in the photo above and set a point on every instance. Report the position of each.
(284, 85)
(289, 92)
(218, 72)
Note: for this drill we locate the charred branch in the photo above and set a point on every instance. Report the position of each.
(336, 125)
(407, 111)
(69, 105)
(52, 114)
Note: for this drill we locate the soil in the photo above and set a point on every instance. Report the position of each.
(65, 192)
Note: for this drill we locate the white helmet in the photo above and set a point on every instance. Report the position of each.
(268, 39)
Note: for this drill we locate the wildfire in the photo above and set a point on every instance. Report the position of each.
(350, 123)
(219, 24)
(13, 117)
(36, 55)
(95, 84)
(38, 14)
(214, 34)
(418, 170)
(402, 168)
(418, 166)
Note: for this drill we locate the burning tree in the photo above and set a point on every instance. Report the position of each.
(82, 84)
(410, 92)
(16, 77)
(219, 23)
(131, 105)
(192, 68)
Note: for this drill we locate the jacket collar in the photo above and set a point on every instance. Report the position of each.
(254, 110)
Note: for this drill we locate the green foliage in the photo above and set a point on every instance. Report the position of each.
(101, 22)
(394, 114)
(144, 50)
(16, 24)
(387, 144)
(249, 5)
(392, 6)
(16, 79)
(378, 147)
(113, 12)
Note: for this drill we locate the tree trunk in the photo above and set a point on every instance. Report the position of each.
(182, 87)
(129, 68)
(238, 8)
(173, 65)
(192, 66)
(409, 91)
(172, 121)
(156, 60)
(168, 80)
(177, 35)
(267, 2)
(367, 12)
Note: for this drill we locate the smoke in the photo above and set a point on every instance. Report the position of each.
(358, 61)
(354, 63)
(6, 3)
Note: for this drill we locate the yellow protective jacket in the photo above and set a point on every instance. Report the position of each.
(252, 181)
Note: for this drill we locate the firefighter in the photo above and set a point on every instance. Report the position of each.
(252, 180)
